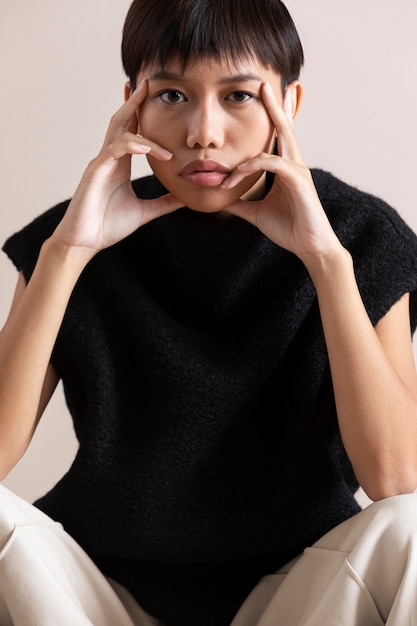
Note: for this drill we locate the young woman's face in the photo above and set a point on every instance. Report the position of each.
(211, 117)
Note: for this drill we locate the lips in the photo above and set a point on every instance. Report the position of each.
(205, 173)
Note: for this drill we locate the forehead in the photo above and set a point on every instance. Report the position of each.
(223, 69)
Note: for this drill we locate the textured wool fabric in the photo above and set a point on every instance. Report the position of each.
(195, 369)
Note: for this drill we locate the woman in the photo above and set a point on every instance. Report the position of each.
(233, 336)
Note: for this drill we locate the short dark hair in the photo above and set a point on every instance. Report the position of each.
(157, 31)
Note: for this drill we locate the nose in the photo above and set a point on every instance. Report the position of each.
(205, 126)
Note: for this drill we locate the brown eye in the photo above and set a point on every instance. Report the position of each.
(240, 96)
(172, 96)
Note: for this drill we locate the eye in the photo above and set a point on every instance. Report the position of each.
(172, 96)
(239, 96)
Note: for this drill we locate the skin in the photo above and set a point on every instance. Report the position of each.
(373, 371)
(203, 114)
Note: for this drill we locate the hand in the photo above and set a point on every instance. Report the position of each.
(291, 214)
(105, 209)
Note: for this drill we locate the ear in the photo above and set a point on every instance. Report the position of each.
(293, 98)
(127, 91)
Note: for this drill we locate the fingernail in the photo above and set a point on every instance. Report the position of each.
(138, 86)
(144, 148)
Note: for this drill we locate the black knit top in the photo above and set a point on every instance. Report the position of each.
(194, 366)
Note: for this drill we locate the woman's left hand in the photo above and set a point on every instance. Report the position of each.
(373, 371)
(291, 214)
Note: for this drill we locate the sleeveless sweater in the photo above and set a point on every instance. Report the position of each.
(195, 369)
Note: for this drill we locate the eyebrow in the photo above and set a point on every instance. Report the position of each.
(236, 78)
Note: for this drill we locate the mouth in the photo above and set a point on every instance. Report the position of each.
(205, 173)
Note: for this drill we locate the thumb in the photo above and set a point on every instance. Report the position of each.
(160, 206)
(245, 210)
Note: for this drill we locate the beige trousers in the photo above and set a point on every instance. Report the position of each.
(362, 573)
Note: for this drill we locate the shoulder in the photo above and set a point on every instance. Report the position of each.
(23, 246)
(382, 245)
(353, 211)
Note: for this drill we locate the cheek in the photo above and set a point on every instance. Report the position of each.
(257, 134)
(149, 120)
(163, 170)
(161, 130)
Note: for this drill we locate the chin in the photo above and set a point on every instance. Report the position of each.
(207, 208)
(213, 200)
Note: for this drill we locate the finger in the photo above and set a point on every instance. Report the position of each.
(125, 119)
(129, 144)
(281, 117)
(244, 210)
(287, 107)
(122, 138)
(132, 104)
(263, 162)
(160, 206)
(285, 169)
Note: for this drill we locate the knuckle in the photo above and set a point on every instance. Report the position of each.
(115, 119)
(108, 150)
(93, 164)
(126, 137)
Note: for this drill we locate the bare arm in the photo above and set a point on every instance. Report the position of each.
(374, 380)
(26, 343)
(373, 372)
(51, 378)
(104, 210)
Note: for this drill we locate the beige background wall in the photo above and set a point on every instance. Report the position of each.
(61, 79)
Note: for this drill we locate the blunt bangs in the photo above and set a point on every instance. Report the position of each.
(159, 31)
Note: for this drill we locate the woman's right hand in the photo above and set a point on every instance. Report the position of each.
(103, 211)
(104, 208)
